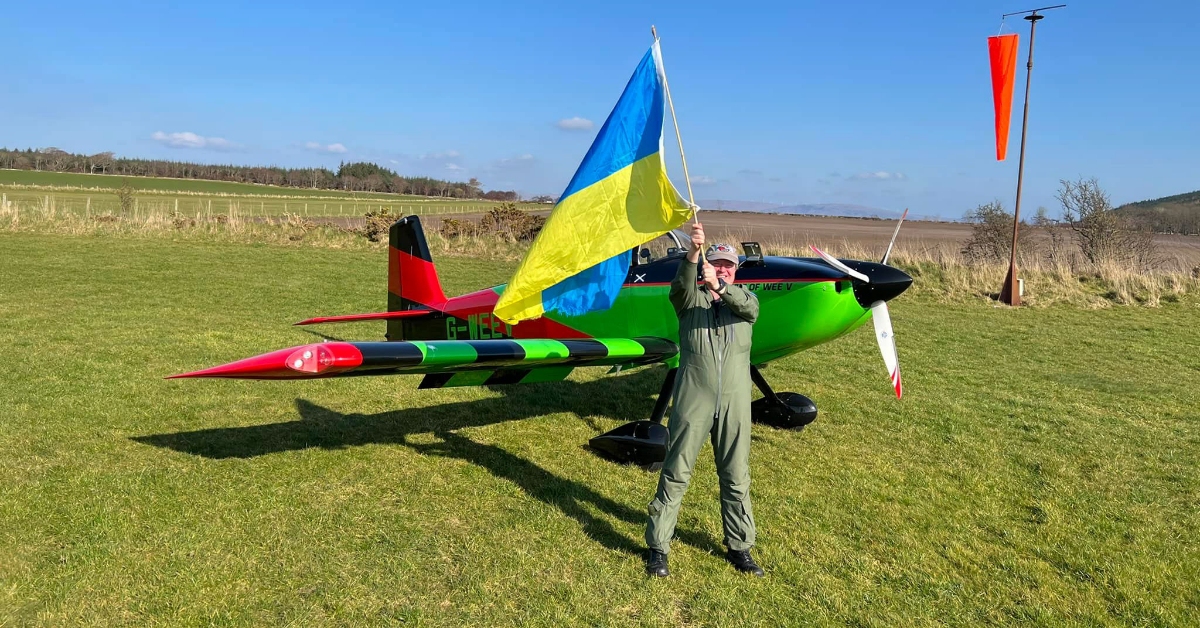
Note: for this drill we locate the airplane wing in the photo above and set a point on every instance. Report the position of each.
(447, 362)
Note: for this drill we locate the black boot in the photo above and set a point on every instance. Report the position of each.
(743, 562)
(656, 564)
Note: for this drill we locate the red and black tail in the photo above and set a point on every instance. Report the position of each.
(413, 282)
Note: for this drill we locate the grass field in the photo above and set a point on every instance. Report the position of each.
(87, 194)
(165, 184)
(1041, 469)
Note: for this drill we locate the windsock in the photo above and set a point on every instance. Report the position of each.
(1003, 52)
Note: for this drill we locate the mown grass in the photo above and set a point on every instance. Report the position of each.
(112, 182)
(87, 205)
(86, 195)
(1040, 469)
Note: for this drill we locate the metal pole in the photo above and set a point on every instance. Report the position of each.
(1010, 293)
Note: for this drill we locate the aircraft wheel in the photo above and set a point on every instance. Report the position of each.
(793, 411)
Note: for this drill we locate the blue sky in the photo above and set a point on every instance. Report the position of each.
(884, 104)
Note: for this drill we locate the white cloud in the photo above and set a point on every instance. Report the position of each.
(325, 148)
(454, 167)
(575, 124)
(879, 176)
(187, 139)
(703, 180)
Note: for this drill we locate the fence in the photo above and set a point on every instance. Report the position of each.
(86, 205)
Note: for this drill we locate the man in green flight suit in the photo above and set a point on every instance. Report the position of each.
(711, 400)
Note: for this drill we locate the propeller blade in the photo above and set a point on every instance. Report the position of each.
(887, 343)
(895, 233)
(840, 266)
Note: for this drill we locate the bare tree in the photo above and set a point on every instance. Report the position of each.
(1102, 234)
(100, 161)
(56, 158)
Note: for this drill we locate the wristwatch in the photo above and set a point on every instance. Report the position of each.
(721, 285)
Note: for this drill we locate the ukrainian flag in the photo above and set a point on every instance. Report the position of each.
(619, 198)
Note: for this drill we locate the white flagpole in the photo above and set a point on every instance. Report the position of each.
(678, 137)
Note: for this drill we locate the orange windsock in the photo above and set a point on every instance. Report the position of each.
(1003, 52)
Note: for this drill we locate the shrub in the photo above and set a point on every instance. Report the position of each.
(510, 223)
(991, 235)
(179, 221)
(378, 223)
(125, 197)
(455, 228)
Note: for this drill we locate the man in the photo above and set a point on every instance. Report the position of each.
(711, 401)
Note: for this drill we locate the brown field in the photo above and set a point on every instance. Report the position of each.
(794, 231)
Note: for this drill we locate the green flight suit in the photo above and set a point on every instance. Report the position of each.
(711, 400)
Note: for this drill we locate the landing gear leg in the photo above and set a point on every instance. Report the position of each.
(643, 443)
(664, 396)
(787, 410)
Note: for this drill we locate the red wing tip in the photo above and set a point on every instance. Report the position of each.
(296, 362)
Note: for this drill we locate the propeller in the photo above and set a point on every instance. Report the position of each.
(880, 315)
(829, 259)
(895, 233)
(887, 343)
(883, 323)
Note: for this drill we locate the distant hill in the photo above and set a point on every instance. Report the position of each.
(813, 209)
(1171, 214)
(837, 209)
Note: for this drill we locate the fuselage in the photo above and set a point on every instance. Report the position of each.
(803, 302)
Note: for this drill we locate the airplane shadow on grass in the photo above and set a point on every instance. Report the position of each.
(626, 397)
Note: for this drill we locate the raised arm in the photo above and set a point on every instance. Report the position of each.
(684, 292)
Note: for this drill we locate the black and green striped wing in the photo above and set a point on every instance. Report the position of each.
(449, 362)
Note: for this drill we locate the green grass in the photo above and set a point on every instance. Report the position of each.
(88, 194)
(164, 184)
(1041, 469)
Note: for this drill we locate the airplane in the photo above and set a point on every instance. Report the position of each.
(803, 302)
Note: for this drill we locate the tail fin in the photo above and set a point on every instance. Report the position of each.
(413, 282)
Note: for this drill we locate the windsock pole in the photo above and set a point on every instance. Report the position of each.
(1010, 293)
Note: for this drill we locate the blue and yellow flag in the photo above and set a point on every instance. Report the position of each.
(619, 198)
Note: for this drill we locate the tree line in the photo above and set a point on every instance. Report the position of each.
(350, 177)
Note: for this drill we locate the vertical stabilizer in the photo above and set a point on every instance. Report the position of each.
(413, 282)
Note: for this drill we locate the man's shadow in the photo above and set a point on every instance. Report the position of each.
(325, 428)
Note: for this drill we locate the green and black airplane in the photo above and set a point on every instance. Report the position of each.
(457, 341)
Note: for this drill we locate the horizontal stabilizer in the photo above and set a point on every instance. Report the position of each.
(373, 316)
(340, 359)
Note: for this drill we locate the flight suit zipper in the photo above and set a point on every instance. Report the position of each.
(715, 307)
